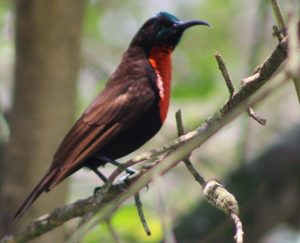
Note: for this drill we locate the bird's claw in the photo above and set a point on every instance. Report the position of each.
(123, 181)
(96, 190)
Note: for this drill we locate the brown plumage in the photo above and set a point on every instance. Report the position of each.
(127, 113)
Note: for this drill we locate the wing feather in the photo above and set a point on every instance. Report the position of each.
(110, 113)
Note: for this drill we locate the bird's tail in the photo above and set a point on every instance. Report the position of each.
(40, 187)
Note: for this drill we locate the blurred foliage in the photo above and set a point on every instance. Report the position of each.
(127, 226)
(4, 7)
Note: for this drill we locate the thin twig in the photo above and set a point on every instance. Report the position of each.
(186, 161)
(278, 16)
(232, 91)
(194, 172)
(229, 205)
(277, 33)
(139, 206)
(179, 123)
(256, 117)
(225, 74)
(293, 62)
(239, 228)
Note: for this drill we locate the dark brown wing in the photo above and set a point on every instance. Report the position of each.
(112, 111)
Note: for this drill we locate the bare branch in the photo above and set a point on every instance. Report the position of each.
(225, 74)
(179, 123)
(213, 191)
(293, 62)
(277, 33)
(194, 172)
(239, 228)
(232, 91)
(278, 16)
(139, 206)
(256, 117)
(187, 162)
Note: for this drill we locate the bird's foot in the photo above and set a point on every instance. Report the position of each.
(96, 190)
(123, 181)
(102, 177)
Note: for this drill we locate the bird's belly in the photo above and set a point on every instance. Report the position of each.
(135, 136)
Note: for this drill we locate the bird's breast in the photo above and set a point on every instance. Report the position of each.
(160, 60)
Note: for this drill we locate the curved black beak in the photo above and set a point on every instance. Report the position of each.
(186, 24)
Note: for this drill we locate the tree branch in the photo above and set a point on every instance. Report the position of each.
(225, 74)
(139, 206)
(278, 16)
(231, 89)
(188, 164)
(174, 152)
(293, 65)
(214, 192)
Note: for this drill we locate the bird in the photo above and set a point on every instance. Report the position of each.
(128, 112)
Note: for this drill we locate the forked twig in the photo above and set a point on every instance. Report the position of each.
(232, 90)
(186, 161)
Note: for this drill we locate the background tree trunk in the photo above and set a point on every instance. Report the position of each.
(47, 35)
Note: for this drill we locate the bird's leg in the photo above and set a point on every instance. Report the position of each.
(101, 176)
(129, 170)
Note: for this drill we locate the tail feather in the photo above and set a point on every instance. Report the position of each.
(40, 187)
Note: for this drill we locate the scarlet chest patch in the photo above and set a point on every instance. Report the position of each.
(160, 60)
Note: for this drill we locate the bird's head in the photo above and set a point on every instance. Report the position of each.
(163, 29)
